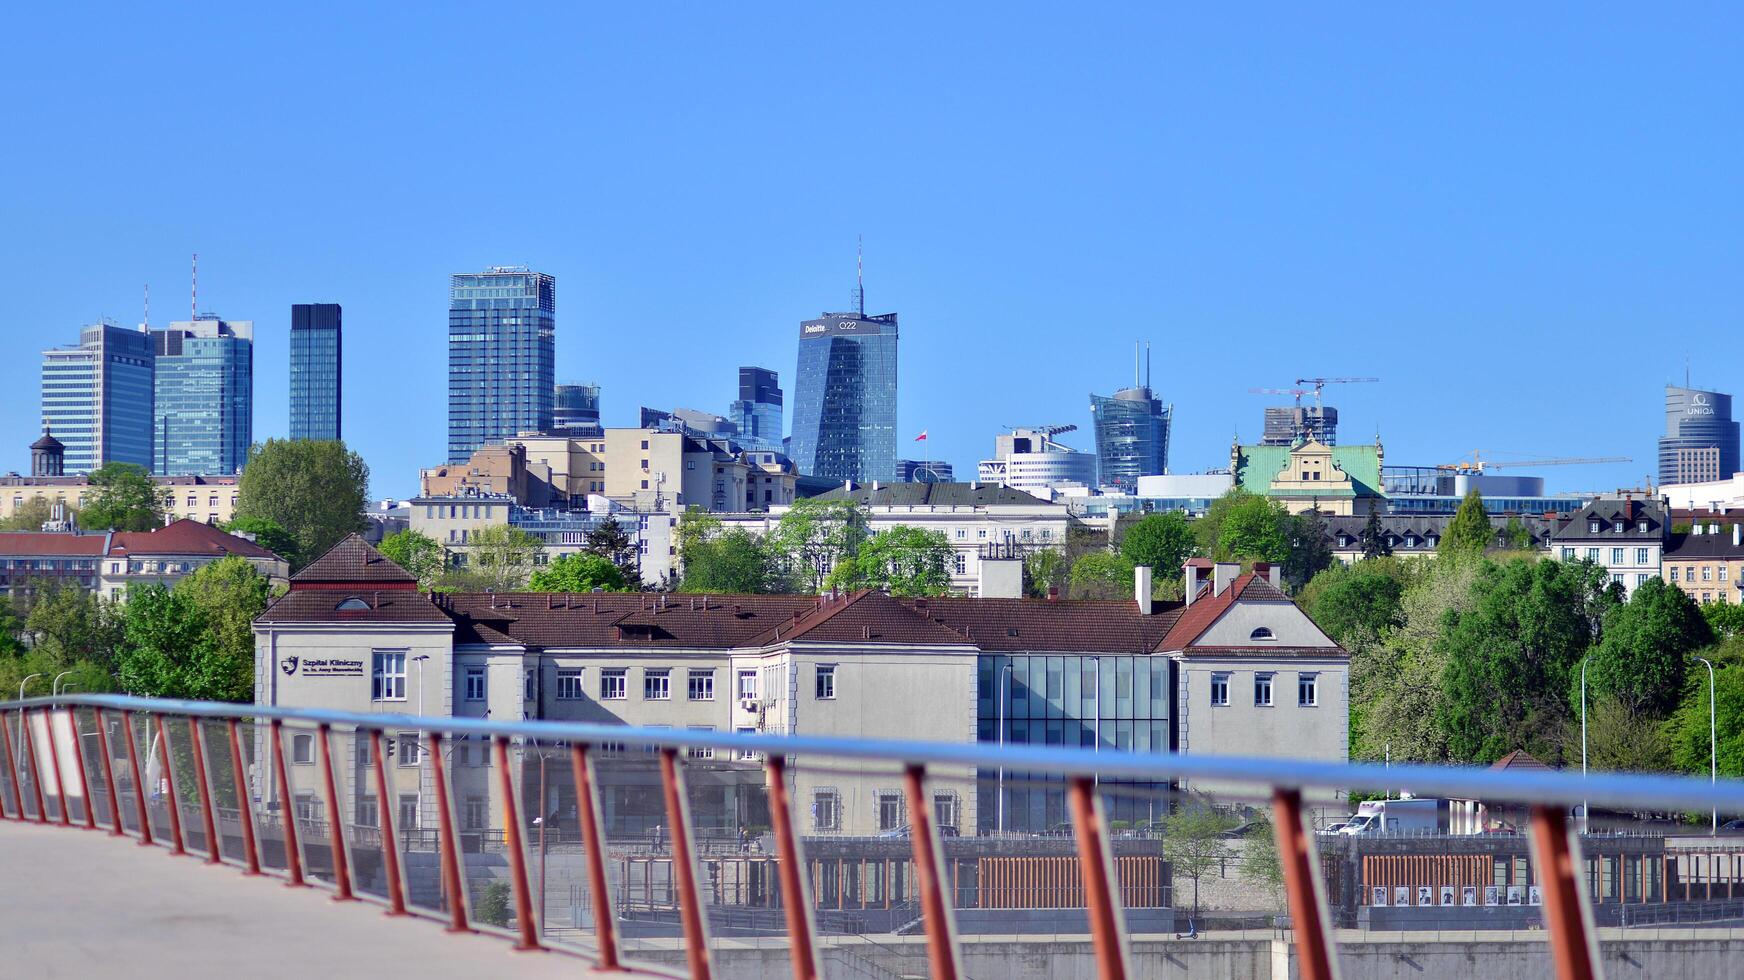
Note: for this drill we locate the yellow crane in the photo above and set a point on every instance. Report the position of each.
(1477, 464)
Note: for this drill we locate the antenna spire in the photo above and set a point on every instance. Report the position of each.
(860, 275)
(146, 326)
(194, 288)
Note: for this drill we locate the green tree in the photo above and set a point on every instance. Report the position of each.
(1687, 730)
(902, 560)
(33, 513)
(313, 488)
(1162, 541)
(1646, 647)
(1367, 595)
(613, 543)
(1102, 575)
(122, 498)
(1374, 536)
(816, 535)
(1516, 536)
(727, 561)
(1310, 548)
(493, 905)
(1245, 527)
(194, 640)
(11, 630)
(1044, 569)
(1621, 736)
(503, 556)
(582, 572)
(1726, 619)
(1259, 858)
(267, 533)
(417, 553)
(1469, 533)
(1194, 842)
(71, 624)
(1396, 678)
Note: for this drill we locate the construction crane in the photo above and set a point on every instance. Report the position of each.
(1295, 393)
(1477, 464)
(1320, 383)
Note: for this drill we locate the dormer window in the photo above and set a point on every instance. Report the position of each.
(1435, 541)
(352, 604)
(1641, 526)
(1593, 526)
(1410, 540)
(1262, 634)
(1617, 527)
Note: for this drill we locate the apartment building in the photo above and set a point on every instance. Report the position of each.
(1624, 534)
(1707, 561)
(109, 562)
(207, 499)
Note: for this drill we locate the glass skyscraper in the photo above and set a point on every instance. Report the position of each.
(757, 412)
(844, 404)
(203, 416)
(1700, 444)
(97, 397)
(502, 327)
(575, 411)
(1132, 437)
(315, 370)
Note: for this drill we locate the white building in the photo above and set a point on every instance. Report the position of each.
(1031, 460)
(1624, 534)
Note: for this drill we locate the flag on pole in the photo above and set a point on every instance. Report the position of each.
(921, 437)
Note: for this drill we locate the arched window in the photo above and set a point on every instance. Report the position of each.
(1262, 633)
(352, 604)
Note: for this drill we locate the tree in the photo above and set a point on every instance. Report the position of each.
(11, 630)
(816, 535)
(1621, 736)
(728, 561)
(493, 905)
(33, 513)
(313, 488)
(503, 555)
(1102, 575)
(1366, 595)
(1045, 569)
(1687, 730)
(583, 572)
(1516, 536)
(1469, 533)
(267, 533)
(1726, 619)
(1194, 842)
(71, 624)
(1310, 551)
(902, 560)
(610, 541)
(1646, 647)
(1396, 680)
(122, 498)
(1245, 527)
(1259, 857)
(196, 640)
(417, 553)
(1162, 541)
(1374, 536)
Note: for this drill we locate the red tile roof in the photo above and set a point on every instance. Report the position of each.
(322, 606)
(186, 537)
(1519, 759)
(1208, 609)
(353, 561)
(53, 544)
(607, 619)
(1064, 625)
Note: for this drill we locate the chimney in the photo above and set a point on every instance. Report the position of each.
(1270, 572)
(1223, 574)
(1193, 570)
(1053, 593)
(1737, 533)
(1141, 588)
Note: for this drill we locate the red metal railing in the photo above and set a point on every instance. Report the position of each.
(24, 724)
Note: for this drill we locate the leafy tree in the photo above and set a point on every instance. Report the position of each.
(493, 905)
(122, 498)
(195, 640)
(1366, 595)
(269, 535)
(417, 553)
(1102, 575)
(1374, 536)
(1687, 730)
(1726, 619)
(1045, 569)
(902, 560)
(727, 561)
(1646, 647)
(503, 556)
(313, 488)
(11, 629)
(1194, 843)
(581, 572)
(1245, 527)
(610, 541)
(1162, 541)
(1621, 736)
(1516, 536)
(816, 535)
(33, 514)
(1396, 692)
(1310, 551)
(1469, 533)
(71, 624)
(1259, 858)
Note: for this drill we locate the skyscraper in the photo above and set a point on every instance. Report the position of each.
(1287, 426)
(575, 411)
(1701, 439)
(203, 412)
(315, 370)
(97, 397)
(1132, 436)
(757, 412)
(502, 326)
(844, 405)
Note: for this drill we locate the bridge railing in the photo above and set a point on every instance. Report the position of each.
(239, 784)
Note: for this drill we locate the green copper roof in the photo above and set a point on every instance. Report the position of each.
(1261, 464)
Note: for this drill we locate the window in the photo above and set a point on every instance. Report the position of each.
(889, 809)
(474, 813)
(1641, 526)
(1723, 573)
(475, 683)
(1642, 578)
(1640, 556)
(1707, 573)
(826, 682)
(945, 810)
(409, 811)
(308, 808)
(1568, 554)
(962, 533)
(569, 684)
(657, 685)
(303, 749)
(406, 748)
(960, 563)
(1617, 577)
(366, 811)
(1592, 554)
(1261, 633)
(1593, 525)
(1616, 556)
(1219, 689)
(745, 755)
(701, 685)
(747, 685)
(612, 684)
(1263, 690)
(826, 810)
(701, 751)
(1616, 527)
(389, 676)
(1674, 573)
(1307, 690)
(530, 684)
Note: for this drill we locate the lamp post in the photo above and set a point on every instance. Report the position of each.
(1586, 819)
(22, 683)
(21, 686)
(54, 687)
(1004, 692)
(1713, 742)
(419, 660)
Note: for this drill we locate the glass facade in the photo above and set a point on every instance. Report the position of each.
(1119, 701)
(757, 413)
(844, 410)
(97, 397)
(502, 327)
(203, 411)
(575, 411)
(1132, 437)
(1697, 420)
(315, 370)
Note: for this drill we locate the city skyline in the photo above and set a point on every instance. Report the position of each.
(1450, 222)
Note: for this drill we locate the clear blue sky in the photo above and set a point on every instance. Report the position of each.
(1522, 220)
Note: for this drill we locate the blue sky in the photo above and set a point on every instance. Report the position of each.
(1522, 220)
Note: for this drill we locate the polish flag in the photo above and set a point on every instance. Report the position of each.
(921, 437)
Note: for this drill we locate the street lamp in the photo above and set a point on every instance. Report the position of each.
(21, 686)
(55, 685)
(419, 660)
(22, 683)
(1586, 819)
(1713, 742)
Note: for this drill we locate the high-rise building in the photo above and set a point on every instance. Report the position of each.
(1132, 436)
(757, 412)
(315, 370)
(575, 411)
(1287, 426)
(203, 403)
(502, 326)
(1700, 444)
(1032, 460)
(844, 405)
(96, 397)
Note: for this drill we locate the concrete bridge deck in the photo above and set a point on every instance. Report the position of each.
(80, 904)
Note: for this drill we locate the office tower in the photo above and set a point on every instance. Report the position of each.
(844, 403)
(203, 412)
(502, 326)
(1700, 444)
(1132, 432)
(96, 397)
(757, 412)
(1286, 426)
(1032, 460)
(575, 411)
(315, 370)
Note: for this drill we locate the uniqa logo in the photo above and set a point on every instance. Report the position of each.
(288, 665)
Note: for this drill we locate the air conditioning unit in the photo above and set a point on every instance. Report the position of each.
(748, 704)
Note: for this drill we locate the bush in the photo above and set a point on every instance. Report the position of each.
(493, 905)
